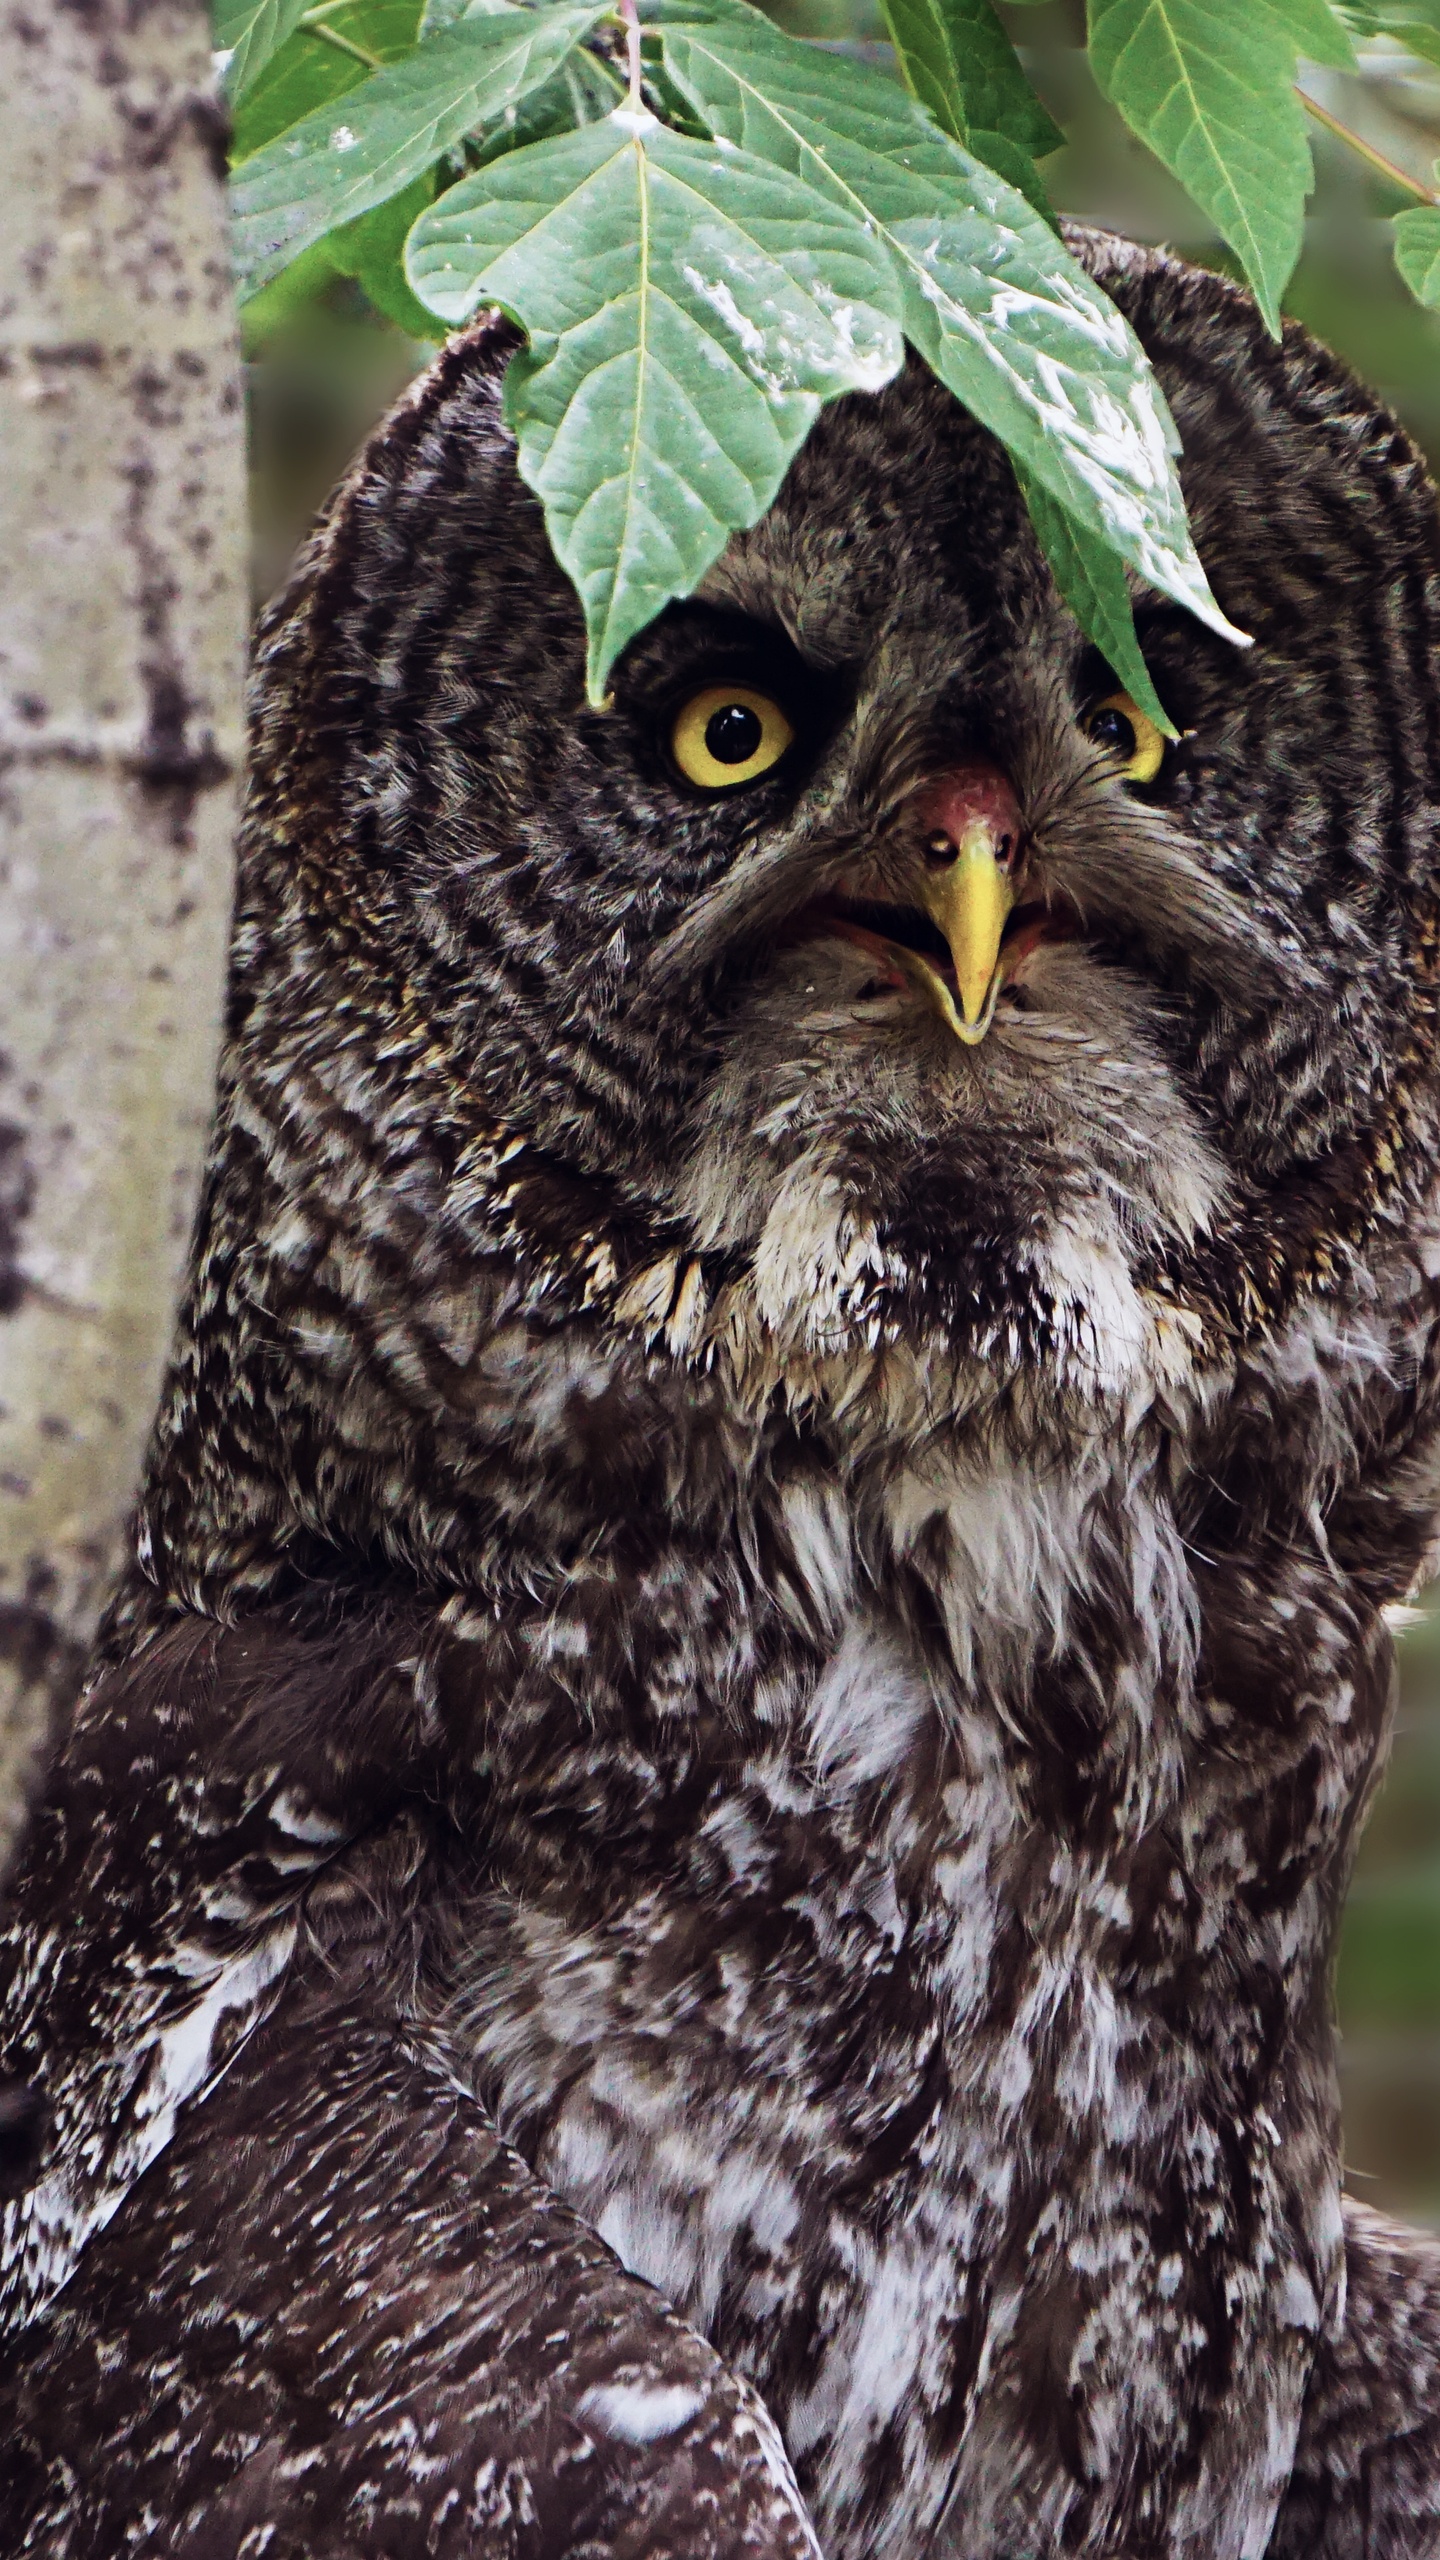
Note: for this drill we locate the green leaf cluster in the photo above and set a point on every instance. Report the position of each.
(1212, 90)
(1213, 87)
(706, 229)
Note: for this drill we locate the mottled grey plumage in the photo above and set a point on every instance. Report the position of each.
(758, 1639)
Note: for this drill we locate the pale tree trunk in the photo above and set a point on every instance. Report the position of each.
(122, 613)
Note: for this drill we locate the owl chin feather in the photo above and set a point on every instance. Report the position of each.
(834, 1102)
(693, 1906)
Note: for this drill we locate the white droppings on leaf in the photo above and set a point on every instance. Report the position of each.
(868, 368)
(344, 138)
(720, 298)
(754, 345)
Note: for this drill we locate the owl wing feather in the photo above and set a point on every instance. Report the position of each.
(355, 2323)
(1367, 2466)
(154, 1923)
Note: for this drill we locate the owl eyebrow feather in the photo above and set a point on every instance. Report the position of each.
(693, 640)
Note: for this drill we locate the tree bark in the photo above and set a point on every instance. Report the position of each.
(122, 619)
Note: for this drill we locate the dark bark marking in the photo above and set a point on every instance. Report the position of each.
(17, 1198)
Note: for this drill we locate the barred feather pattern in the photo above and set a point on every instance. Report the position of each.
(693, 1906)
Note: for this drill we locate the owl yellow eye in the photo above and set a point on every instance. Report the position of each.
(1121, 727)
(727, 734)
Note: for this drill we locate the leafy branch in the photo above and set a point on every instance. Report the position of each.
(706, 229)
(314, 25)
(1366, 151)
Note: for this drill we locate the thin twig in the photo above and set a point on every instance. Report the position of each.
(1356, 142)
(343, 44)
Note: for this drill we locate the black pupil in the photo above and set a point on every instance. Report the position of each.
(733, 734)
(1110, 728)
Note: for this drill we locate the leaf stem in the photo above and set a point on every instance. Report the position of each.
(630, 20)
(1364, 150)
(314, 26)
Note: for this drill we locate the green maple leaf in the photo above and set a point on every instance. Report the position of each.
(687, 309)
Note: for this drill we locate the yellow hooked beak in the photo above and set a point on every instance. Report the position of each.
(968, 893)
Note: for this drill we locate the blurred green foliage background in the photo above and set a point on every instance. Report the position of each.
(323, 364)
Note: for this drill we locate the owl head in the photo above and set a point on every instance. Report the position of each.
(868, 981)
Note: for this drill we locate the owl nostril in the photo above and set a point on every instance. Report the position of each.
(941, 850)
(974, 801)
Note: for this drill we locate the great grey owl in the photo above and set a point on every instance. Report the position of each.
(692, 1913)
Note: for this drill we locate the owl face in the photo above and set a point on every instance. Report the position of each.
(872, 934)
